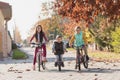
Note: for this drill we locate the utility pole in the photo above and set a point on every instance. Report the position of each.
(14, 28)
(6, 35)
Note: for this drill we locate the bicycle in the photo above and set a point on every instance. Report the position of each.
(59, 62)
(39, 55)
(81, 58)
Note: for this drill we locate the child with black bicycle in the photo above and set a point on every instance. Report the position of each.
(79, 40)
(58, 48)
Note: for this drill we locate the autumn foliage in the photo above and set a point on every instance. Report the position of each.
(87, 10)
(69, 27)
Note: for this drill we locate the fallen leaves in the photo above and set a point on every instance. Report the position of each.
(19, 77)
(28, 69)
(11, 69)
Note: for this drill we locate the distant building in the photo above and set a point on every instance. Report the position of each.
(5, 38)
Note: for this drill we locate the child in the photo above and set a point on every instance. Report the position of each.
(79, 40)
(40, 37)
(58, 48)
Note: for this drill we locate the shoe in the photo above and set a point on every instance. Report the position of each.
(33, 67)
(55, 64)
(44, 59)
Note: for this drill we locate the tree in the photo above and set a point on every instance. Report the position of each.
(116, 40)
(101, 30)
(87, 10)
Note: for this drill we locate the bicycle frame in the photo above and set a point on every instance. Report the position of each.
(79, 53)
(81, 58)
(39, 55)
(59, 62)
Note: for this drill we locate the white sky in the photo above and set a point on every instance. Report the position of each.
(24, 13)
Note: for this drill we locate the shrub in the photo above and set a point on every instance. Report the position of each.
(116, 40)
(17, 54)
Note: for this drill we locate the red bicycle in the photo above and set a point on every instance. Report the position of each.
(39, 55)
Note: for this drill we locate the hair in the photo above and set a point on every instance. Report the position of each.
(41, 33)
(77, 27)
(58, 36)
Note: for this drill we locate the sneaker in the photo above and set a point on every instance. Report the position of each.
(33, 67)
(45, 60)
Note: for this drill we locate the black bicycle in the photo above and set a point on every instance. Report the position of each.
(81, 58)
(39, 55)
(59, 62)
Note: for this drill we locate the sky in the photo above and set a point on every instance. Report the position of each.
(24, 15)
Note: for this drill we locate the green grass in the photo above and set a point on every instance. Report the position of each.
(105, 56)
(17, 54)
(70, 49)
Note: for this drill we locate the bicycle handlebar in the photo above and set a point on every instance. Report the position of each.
(36, 44)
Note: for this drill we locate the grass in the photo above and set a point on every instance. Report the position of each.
(105, 56)
(17, 54)
(70, 49)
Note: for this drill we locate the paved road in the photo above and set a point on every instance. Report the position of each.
(22, 69)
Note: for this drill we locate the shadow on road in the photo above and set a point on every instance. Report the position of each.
(99, 70)
(52, 59)
(90, 70)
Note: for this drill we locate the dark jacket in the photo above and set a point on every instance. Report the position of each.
(58, 48)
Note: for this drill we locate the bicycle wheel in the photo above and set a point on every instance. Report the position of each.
(59, 63)
(85, 61)
(43, 65)
(59, 67)
(79, 63)
(79, 67)
(38, 62)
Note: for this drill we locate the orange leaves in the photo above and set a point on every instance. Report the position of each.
(85, 9)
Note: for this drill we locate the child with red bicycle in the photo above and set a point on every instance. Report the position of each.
(40, 37)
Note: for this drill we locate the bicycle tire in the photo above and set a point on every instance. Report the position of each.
(59, 63)
(79, 64)
(59, 67)
(38, 62)
(85, 62)
(43, 65)
(79, 67)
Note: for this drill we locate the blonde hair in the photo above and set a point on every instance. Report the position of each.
(58, 36)
(77, 27)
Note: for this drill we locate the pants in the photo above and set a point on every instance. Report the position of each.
(36, 51)
(84, 49)
(58, 57)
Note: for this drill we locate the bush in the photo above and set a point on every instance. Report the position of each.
(17, 54)
(116, 40)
